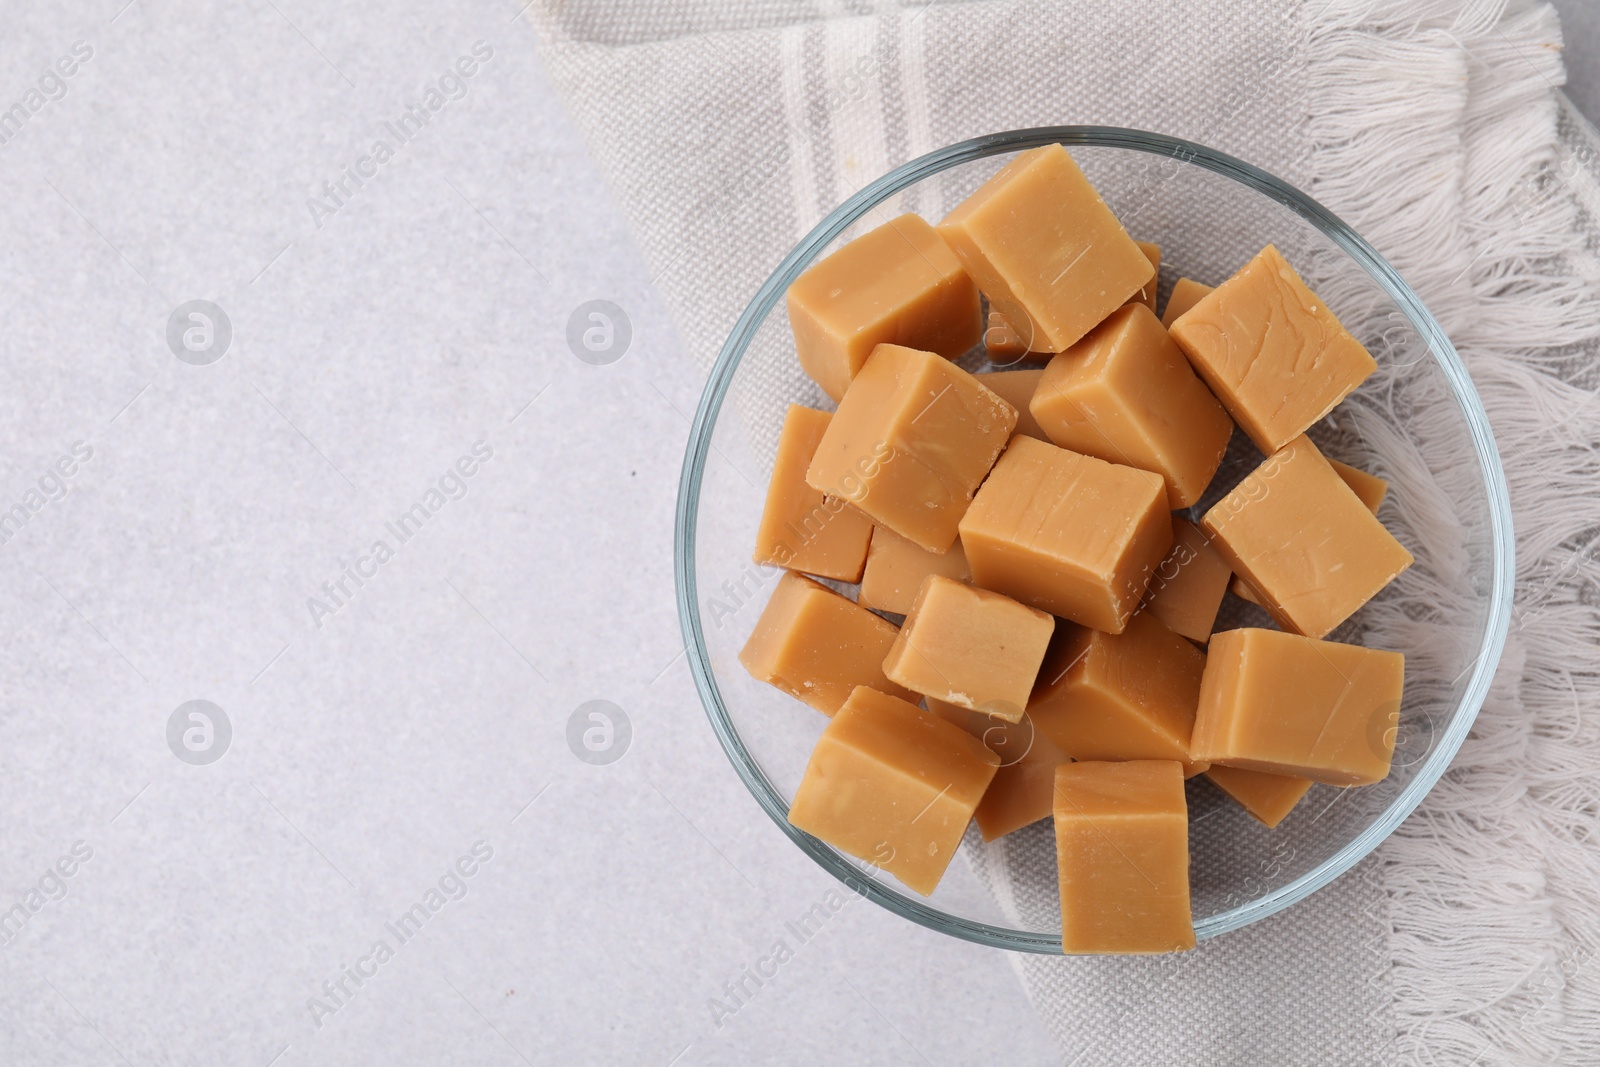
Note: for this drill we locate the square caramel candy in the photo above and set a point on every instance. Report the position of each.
(1273, 353)
(1016, 387)
(899, 284)
(1004, 345)
(1267, 797)
(970, 647)
(893, 785)
(1023, 789)
(817, 646)
(912, 439)
(802, 529)
(1187, 587)
(1045, 249)
(896, 569)
(1303, 541)
(1297, 706)
(1147, 295)
(1186, 293)
(1067, 533)
(1122, 696)
(1368, 488)
(1122, 847)
(1125, 394)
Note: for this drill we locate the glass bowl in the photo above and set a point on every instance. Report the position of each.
(1418, 422)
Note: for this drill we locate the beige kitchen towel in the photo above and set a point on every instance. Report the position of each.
(728, 129)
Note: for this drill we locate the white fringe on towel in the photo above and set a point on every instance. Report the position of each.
(1493, 885)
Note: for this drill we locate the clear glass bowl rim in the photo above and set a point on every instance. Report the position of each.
(1182, 152)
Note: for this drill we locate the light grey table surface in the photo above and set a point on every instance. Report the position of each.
(422, 714)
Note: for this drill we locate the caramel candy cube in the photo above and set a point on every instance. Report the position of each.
(1016, 387)
(970, 647)
(1368, 488)
(1147, 295)
(1121, 696)
(802, 529)
(1004, 345)
(1241, 589)
(1122, 843)
(1293, 705)
(1267, 797)
(1187, 588)
(1067, 533)
(899, 284)
(1303, 541)
(1045, 249)
(1273, 353)
(896, 569)
(817, 645)
(1023, 789)
(1186, 293)
(893, 785)
(913, 437)
(1125, 394)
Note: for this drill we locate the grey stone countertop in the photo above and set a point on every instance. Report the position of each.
(373, 511)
